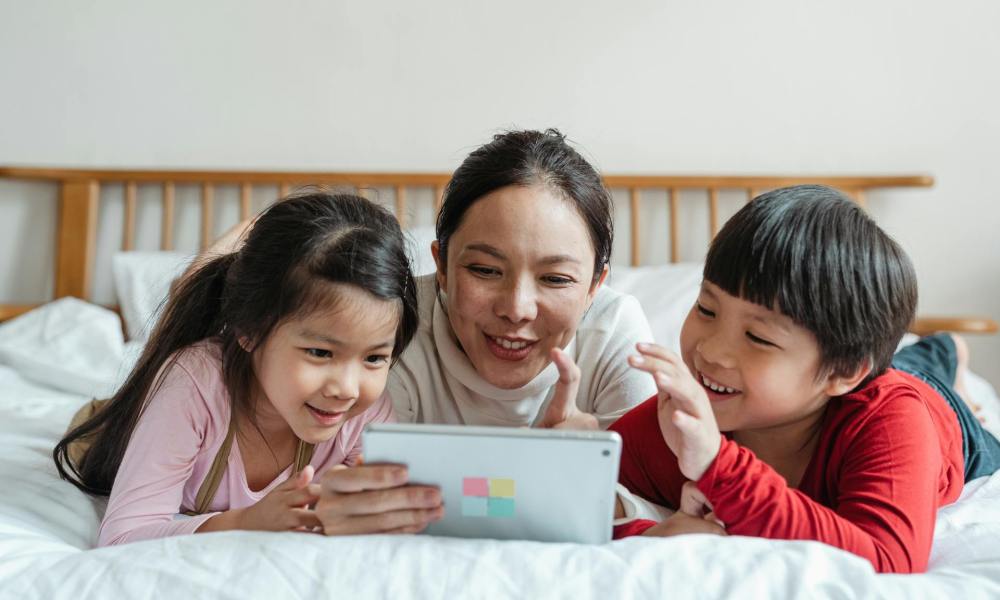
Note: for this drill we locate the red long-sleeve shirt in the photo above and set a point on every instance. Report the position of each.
(888, 456)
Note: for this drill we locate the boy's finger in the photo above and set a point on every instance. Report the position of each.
(691, 403)
(693, 502)
(651, 365)
(687, 423)
(657, 351)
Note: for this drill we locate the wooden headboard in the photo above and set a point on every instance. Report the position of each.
(80, 194)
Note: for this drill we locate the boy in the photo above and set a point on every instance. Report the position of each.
(788, 351)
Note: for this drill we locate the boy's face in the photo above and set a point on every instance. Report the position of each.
(757, 366)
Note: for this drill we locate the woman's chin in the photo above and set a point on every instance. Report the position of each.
(508, 376)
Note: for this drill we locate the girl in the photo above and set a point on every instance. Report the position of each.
(265, 366)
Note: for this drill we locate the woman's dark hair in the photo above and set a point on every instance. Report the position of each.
(527, 158)
(293, 255)
(817, 257)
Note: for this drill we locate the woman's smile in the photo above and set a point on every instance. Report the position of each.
(518, 279)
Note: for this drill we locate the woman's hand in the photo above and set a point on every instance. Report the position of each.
(685, 412)
(562, 412)
(285, 508)
(375, 499)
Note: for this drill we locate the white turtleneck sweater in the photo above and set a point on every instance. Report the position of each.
(434, 382)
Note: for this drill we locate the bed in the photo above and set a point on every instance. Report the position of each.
(54, 356)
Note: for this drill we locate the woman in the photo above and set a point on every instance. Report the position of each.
(516, 328)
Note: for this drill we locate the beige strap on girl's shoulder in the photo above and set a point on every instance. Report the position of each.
(303, 454)
(211, 484)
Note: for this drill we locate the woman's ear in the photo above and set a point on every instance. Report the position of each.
(442, 273)
(838, 385)
(597, 283)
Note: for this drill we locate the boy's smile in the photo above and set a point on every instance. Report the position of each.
(757, 366)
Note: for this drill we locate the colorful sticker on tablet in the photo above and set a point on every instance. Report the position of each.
(487, 497)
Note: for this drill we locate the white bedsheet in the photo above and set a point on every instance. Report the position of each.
(47, 529)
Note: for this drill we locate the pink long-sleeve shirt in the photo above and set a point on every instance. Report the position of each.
(175, 442)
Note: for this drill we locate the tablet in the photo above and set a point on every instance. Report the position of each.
(547, 485)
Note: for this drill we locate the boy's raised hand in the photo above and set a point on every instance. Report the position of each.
(684, 410)
(562, 412)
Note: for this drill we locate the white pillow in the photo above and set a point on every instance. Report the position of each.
(68, 344)
(418, 241)
(142, 282)
(142, 279)
(665, 292)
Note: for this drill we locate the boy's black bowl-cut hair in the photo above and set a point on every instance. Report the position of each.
(814, 255)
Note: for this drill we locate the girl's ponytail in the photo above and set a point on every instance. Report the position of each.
(191, 314)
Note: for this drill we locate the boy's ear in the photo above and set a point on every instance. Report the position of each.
(838, 385)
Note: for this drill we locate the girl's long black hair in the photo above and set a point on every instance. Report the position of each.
(292, 254)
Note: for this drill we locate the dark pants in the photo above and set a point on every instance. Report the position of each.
(933, 359)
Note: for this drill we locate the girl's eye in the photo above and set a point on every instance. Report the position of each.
(482, 271)
(704, 311)
(758, 340)
(377, 359)
(318, 353)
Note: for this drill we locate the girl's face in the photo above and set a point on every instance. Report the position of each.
(758, 367)
(518, 281)
(326, 367)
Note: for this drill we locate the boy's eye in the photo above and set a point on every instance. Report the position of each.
(377, 359)
(759, 340)
(704, 311)
(318, 352)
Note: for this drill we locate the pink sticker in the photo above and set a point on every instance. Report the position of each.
(475, 486)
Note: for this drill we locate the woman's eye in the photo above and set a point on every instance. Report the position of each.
(759, 340)
(318, 353)
(377, 359)
(558, 280)
(482, 271)
(704, 311)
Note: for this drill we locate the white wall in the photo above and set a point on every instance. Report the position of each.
(643, 86)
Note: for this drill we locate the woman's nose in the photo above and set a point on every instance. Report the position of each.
(517, 302)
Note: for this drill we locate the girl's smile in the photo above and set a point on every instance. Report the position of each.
(319, 370)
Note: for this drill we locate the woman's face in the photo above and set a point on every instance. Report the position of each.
(518, 281)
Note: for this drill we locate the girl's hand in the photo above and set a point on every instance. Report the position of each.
(684, 410)
(375, 499)
(562, 412)
(286, 507)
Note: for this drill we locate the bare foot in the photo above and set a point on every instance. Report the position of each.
(962, 352)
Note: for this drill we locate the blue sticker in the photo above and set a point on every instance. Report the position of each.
(474, 506)
(501, 507)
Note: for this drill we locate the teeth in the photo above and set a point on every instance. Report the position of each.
(509, 344)
(715, 387)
